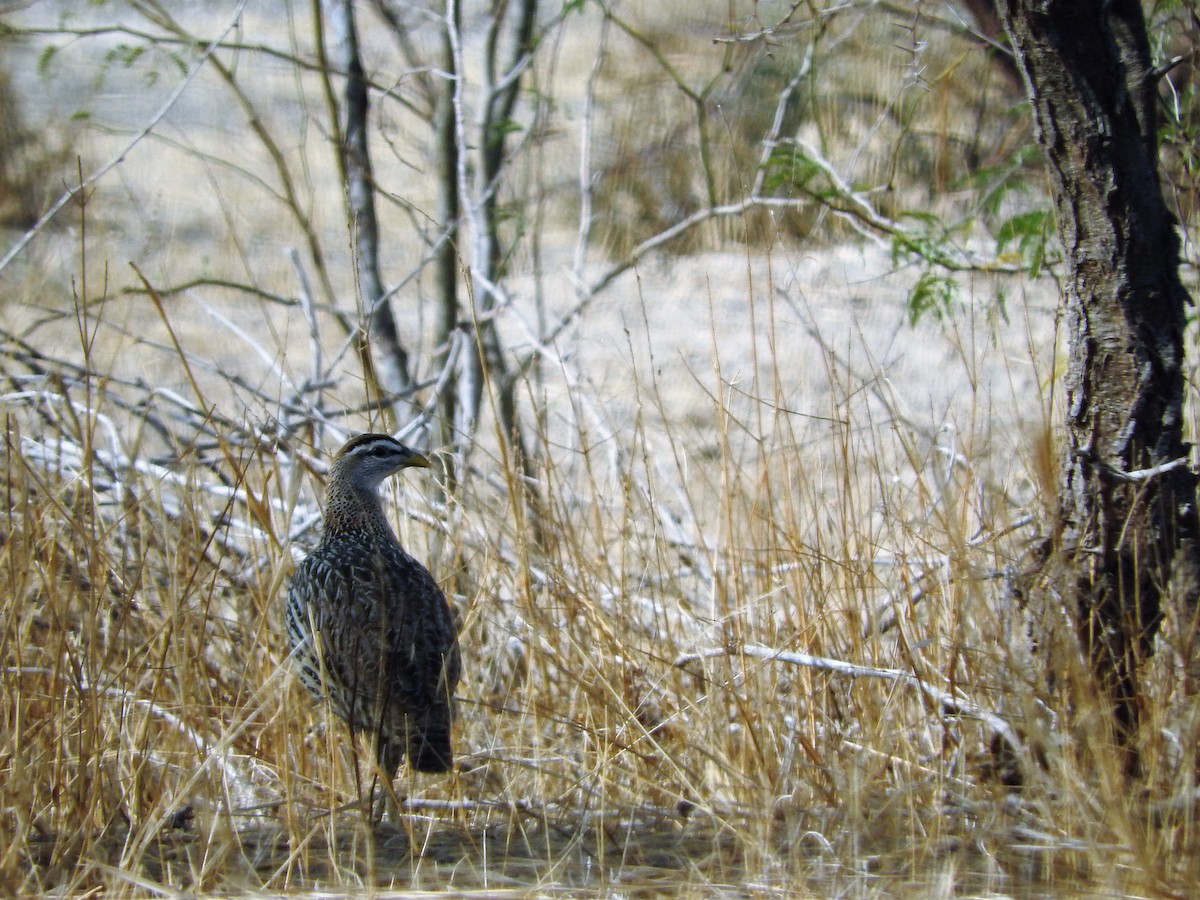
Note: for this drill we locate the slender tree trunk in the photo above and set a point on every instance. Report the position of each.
(1128, 525)
(503, 91)
(381, 337)
(446, 261)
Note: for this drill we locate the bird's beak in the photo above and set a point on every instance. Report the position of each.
(418, 461)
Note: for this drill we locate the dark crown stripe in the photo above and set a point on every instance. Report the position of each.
(363, 439)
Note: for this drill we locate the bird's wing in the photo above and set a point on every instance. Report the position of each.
(424, 643)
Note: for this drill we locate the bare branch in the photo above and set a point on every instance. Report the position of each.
(947, 703)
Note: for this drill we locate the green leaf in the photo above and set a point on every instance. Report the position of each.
(126, 54)
(1031, 231)
(919, 215)
(912, 246)
(504, 127)
(46, 59)
(933, 294)
(787, 167)
(1021, 228)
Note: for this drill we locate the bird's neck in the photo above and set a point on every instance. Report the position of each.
(354, 509)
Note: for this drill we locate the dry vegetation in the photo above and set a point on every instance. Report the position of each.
(756, 625)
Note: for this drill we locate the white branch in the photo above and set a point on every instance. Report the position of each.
(948, 703)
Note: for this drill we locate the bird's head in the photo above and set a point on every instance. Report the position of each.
(364, 461)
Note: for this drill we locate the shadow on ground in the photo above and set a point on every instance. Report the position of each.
(529, 854)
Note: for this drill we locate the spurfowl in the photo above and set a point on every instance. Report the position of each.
(369, 629)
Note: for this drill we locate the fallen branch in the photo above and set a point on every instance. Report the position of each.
(947, 703)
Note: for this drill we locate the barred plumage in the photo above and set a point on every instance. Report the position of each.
(369, 628)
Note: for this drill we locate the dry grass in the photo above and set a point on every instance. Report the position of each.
(754, 627)
(641, 710)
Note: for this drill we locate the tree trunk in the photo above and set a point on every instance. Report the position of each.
(503, 92)
(483, 360)
(1128, 527)
(446, 265)
(381, 335)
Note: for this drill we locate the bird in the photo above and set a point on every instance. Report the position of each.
(369, 630)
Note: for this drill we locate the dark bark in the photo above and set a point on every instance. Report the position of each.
(488, 353)
(382, 339)
(446, 261)
(1125, 536)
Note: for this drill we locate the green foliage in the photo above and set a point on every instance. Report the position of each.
(996, 183)
(934, 294)
(130, 56)
(934, 291)
(1031, 232)
(504, 127)
(788, 167)
(929, 245)
(126, 55)
(46, 59)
